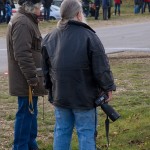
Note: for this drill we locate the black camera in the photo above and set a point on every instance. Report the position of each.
(110, 112)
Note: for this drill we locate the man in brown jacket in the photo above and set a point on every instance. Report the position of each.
(25, 73)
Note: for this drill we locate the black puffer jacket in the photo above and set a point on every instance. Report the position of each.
(75, 66)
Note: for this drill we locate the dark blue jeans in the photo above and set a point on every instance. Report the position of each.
(105, 13)
(25, 130)
(2, 17)
(46, 13)
(144, 6)
(117, 7)
(97, 12)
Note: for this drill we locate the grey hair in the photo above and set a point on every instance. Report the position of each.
(30, 7)
(68, 10)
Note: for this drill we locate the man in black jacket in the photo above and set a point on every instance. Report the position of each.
(76, 71)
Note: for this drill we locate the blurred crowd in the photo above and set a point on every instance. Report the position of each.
(140, 6)
(92, 8)
(6, 10)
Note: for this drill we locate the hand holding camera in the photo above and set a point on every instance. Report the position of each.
(109, 97)
(103, 102)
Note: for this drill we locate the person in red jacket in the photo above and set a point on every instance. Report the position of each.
(117, 6)
(146, 2)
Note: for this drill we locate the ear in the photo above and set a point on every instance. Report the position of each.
(79, 16)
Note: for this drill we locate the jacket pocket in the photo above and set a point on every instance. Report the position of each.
(39, 72)
(40, 90)
(36, 43)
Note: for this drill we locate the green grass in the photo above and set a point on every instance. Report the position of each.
(131, 100)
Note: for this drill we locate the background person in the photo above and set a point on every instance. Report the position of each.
(92, 9)
(8, 11)
(117, 6)
(76, 71)
(86, 7)
(138, 5)
(141, 5)
(2, 11)
(1, 6)
(105, 4)
(146, 3)
(24, 67)
(97, 8)
(47, 5)
(110, 4)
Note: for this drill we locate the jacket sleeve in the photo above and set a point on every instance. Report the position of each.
(22, 42)
(46, 68)
(100, 65)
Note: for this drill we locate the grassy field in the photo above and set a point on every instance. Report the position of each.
(132, 100)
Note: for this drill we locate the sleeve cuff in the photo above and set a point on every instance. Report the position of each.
(32, 81)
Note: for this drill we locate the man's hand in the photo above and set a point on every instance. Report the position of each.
(33, 86)
(109, 96)
(33, 82)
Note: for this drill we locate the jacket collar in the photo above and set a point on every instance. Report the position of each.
(32, 17)
(73, 22)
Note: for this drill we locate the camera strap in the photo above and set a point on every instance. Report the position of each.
(43, 108)
(107, 130)
(30, 107)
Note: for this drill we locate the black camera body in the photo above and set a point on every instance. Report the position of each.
(110, 112)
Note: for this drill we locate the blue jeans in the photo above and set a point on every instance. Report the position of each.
(85, 123)
(97, 12)
(46, 13)
(25, 130)
(144, 6)
(105, 13)
(117, 6)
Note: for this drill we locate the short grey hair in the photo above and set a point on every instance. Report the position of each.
(68, 10)
(30, 7)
